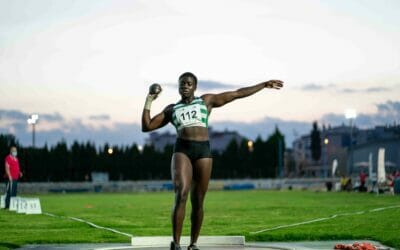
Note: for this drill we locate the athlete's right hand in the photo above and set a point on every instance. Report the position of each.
(154, 90)
(273, 84)
(152, 96)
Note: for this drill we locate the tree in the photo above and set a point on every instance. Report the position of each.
(59, 162)
(259, 158)
(315, 142)
(231, 160)
(75, 162)
(276, 147)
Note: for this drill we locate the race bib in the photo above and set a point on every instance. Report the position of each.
(188, 115)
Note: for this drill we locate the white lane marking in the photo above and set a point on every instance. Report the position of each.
(325, 218)
(90, 224)
(115, 248)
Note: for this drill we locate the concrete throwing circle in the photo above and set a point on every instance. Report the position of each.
(105, 247)
(222, 248)
(304, 245)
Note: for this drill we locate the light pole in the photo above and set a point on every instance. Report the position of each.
(280, 157)
(326, 142)
(32, 120)
(351, 114)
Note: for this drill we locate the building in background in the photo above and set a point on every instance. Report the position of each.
(289, 163)
(335, 144)
(369, 142)
(302, 155)
(160, 140)
(350, 146)
(220, 139)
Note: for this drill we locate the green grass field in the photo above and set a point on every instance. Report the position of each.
(227, 213)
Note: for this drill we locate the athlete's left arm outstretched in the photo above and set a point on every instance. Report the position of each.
(218, 100)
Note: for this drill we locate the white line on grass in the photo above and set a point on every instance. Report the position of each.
(326, 218)
(90, 224)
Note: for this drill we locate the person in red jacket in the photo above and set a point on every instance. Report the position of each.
(13, 173)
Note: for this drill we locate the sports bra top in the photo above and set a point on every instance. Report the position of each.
(194, 114)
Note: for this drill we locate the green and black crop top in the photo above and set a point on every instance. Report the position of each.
(194, 114)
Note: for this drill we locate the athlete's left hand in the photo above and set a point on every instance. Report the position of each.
(274, 84)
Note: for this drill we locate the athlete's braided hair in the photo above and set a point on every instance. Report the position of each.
(189, 74)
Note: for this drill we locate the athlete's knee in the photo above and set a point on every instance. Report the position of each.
(197, 200)
(181, 195)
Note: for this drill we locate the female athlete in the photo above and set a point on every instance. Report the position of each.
(192, 160)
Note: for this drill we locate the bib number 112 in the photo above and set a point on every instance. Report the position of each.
(189, 115)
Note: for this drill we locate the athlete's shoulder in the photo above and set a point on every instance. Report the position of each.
(177, 104)
(198, 99)
(169, 107)
(168, 110)
(207, 98)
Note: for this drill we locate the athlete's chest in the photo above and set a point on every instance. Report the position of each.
(189, 112)
(193, 114)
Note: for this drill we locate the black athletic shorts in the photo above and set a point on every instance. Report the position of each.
(193, 149)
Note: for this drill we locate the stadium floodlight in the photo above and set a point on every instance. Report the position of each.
(350, 114)
(32, 120)
(250, 145)
(110, 151)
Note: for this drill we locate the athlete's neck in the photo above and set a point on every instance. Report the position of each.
(187, 100)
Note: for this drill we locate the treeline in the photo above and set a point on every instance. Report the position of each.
(77, 162)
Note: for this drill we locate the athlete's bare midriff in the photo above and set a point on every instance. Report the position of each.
(193, 134)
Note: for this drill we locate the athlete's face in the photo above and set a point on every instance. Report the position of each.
(187, 86)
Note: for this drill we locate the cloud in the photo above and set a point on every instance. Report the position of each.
(348, 91)
(207, 85)
(128, 133)
(321, 87)
(76, 130)
(211, 85)
(118, 134)
(54, 127)
(366, 90)
(316, 87)
(390, 108)
(387, 113)
(13, 114)
(102, 117)
(56, 117)
(376, 89)
(22, 116)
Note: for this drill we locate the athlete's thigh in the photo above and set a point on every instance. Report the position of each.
(201, 174)
(181, 170)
